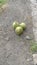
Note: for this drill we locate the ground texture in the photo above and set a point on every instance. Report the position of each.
(14, 49)
(34, 19)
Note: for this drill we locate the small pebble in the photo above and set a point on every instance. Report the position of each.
(29, 59)
(28, 38)
(35, 59)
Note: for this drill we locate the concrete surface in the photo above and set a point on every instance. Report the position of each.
(15, 50)
(35, 58)
(34, 17)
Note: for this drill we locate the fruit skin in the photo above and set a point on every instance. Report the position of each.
(23, 25)
(15, 24)
(19, 30)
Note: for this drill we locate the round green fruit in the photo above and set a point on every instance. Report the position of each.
(23, 25)
(19, 30)
(15, 24)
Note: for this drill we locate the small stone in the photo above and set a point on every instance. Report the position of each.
(29, 59)
(28, 38)
(35, 59)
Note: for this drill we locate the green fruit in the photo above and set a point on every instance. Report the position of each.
(19, 30)
(15, 24)
(23, 25)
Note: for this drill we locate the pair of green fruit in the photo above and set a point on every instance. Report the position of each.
(19, 27)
